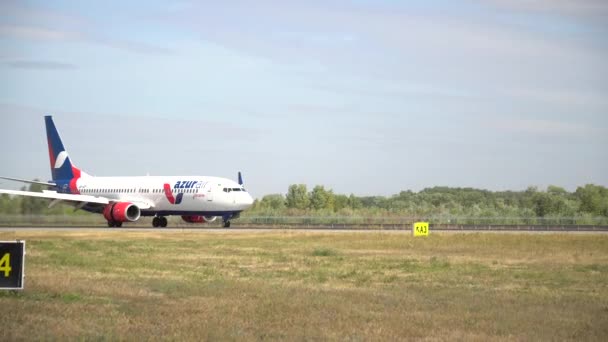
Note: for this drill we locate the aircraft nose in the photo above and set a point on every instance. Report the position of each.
(248, 201)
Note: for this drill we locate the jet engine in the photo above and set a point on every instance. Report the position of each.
(198, 219)
(121, 212)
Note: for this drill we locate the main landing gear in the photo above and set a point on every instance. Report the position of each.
(159, 221)
(226, 223)
(112, 224)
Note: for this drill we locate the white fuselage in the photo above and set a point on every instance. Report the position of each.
(172, 195)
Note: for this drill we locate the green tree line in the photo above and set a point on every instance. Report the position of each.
(589, 200)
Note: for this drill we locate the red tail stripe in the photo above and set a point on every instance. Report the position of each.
(75, 171)
(73, 186)
(51, 154)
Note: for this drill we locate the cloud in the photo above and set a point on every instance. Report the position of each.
(22, 22)
(41, 65)
(132, 46)
(49, 35)
(546, 128)
(563, 7)
(37, 33)
(589, 100)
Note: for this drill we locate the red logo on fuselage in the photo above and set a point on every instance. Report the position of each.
(169, 195)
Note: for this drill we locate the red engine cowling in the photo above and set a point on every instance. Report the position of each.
(121, 212)
(198, 219)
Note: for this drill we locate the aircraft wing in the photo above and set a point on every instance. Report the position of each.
(78, 199)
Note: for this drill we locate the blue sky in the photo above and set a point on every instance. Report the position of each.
(364, 97)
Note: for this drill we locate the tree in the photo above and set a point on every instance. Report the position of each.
(340, 202)
(542, 203)
(9, 205)
(593, 198)
(297, 197)
(557, 190)
(354, 202)
(33, 205)
(273, 201)
(319, 198)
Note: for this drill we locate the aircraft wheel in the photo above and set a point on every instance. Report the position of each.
(226, 224)
(111, 224)
(156, 222)
(163, 222)
(118, 224)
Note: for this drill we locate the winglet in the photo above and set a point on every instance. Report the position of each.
(240, 178)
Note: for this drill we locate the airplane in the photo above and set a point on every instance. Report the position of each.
(197, 199)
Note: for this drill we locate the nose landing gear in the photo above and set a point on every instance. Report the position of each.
(159, 221)
(227, 218)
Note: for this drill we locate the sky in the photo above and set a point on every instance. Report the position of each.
(364, 97)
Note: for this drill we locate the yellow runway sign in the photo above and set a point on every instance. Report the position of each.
(421, 229)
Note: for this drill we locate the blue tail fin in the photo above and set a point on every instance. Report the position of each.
(61, 166)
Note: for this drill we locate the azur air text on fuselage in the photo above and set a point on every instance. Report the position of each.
(188, 185)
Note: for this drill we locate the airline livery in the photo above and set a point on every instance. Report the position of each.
(197, 199)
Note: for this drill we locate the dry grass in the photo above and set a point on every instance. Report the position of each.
(309, 286)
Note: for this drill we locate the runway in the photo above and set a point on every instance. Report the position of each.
(253, 230)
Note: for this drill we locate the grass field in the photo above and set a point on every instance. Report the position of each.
(309, 286)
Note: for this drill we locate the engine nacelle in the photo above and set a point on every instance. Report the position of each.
(121, 212)
(198, 219)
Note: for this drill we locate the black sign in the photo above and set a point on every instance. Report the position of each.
(11, 264)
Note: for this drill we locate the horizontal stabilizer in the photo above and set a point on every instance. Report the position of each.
(29, 181)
